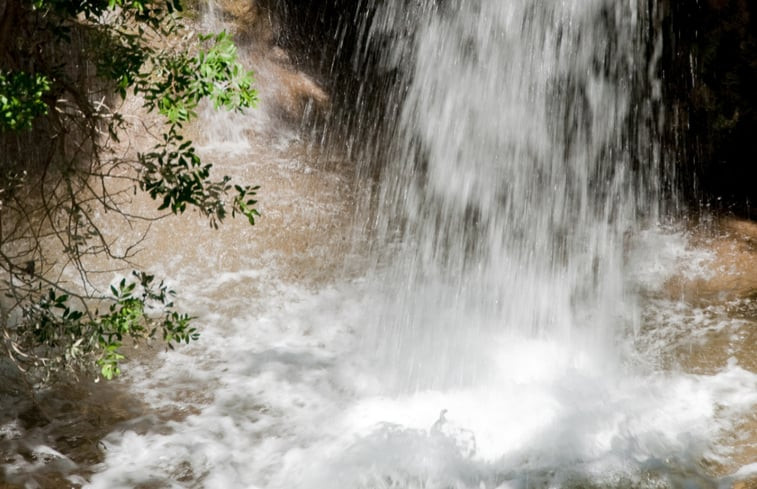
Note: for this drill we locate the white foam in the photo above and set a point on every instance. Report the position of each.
(655, 252)
(518, 362)
(294, 403)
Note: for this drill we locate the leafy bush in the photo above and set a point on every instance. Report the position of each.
(62, 65)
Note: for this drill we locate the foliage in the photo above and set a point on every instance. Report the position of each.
(21, 99)
(60, 334)
(63, 65)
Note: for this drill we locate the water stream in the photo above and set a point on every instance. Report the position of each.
(524, 158)
(496, 317)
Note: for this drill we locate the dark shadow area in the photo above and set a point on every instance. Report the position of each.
(709, 67)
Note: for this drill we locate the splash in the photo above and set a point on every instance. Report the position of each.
(502, 339)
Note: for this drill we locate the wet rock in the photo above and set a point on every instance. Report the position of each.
(710, 71)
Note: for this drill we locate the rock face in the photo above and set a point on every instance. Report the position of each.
(710, 69)
(284, 88)
(708, 66)
(732, 261)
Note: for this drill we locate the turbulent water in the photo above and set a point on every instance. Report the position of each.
(499, 332)
(525, 155)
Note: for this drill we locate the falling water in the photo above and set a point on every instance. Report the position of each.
(526, 155)
(499, 333)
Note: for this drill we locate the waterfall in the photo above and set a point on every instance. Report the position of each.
(526, 154)
(458, 279)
